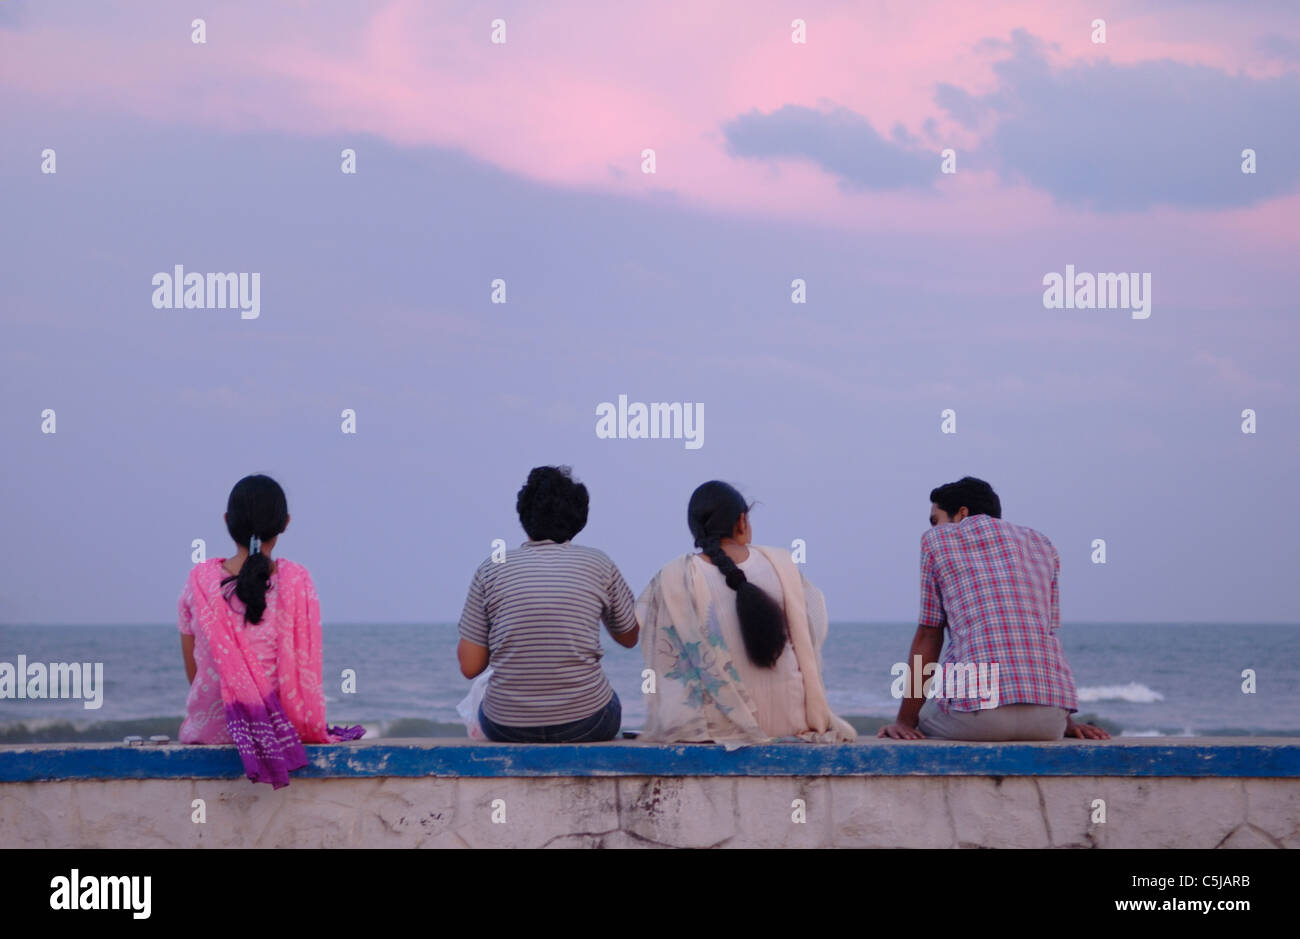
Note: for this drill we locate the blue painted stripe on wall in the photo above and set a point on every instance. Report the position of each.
(1114, 758)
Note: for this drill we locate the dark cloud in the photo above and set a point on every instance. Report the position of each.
(1127, 137)
(1276, 46)
(840, 141)
(966, 109)
(13, 14)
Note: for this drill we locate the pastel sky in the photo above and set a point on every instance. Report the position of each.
(774, 160)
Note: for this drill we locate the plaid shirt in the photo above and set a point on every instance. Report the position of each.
(996, 587)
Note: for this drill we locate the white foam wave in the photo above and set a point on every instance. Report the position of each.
(42, 723)
(1133, 692)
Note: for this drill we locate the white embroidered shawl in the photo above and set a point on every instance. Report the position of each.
(698, 693)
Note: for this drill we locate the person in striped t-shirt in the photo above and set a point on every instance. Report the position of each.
(535, 617)
(994, 587)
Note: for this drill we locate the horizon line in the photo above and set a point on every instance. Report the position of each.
(842, 622)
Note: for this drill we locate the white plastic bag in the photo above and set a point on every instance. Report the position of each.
(468, 707)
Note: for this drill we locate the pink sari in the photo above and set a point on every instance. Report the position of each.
(268, 725)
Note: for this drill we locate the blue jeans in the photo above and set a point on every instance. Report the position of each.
(603, 725)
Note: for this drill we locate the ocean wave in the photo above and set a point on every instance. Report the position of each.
(56, 731)
(1133, 692)
(45, 730)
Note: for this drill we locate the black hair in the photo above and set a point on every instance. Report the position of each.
(712, 514)
(256, 506)
(977, 495)
(552, 505)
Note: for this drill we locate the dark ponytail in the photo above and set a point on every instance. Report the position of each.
(712, 514)
(256, 507)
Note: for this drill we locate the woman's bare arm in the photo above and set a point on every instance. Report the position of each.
(187, 652)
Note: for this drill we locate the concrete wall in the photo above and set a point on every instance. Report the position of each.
(641, 811)
(364, 796)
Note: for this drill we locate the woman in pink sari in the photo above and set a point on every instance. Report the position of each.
(251, 638)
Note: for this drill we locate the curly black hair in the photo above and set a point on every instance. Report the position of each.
(975, 494)
(552, 505)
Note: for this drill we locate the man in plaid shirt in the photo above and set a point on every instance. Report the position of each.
(995, 587)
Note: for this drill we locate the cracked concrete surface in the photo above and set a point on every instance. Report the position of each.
(659, 811)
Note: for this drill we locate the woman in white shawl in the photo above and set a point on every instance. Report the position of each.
(733, 636)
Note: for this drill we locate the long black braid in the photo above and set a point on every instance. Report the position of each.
(712, 514)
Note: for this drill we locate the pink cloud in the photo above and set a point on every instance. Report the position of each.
(573, 93)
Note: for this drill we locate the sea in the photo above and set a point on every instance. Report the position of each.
(1134, 679)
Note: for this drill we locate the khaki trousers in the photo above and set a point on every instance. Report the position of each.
(1005, 722)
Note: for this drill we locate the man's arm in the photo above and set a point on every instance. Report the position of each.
(926, 644)
(472, 651)
(620, 610)
(628, 639)
(1082, 731)
(473, 658)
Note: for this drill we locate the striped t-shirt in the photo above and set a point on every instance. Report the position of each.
(538, 612)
